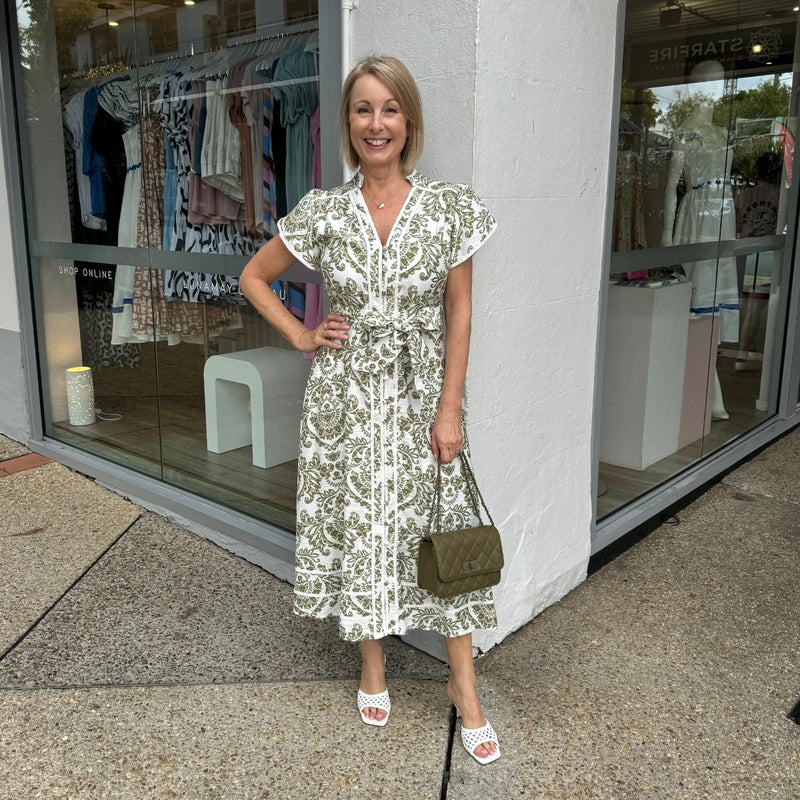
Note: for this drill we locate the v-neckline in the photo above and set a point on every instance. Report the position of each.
(396, 219)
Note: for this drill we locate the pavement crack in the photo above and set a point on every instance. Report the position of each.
(794, 714)
(451, 735)
(35, 624)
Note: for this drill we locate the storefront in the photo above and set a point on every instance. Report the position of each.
(634, 322)
(699, 354)
(159, 144)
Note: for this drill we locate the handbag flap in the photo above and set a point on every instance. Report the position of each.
(471, 551)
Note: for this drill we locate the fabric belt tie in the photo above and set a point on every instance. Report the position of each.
(379, 338)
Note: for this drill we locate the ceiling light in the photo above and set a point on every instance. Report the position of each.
(112, 23)
(796, 8)
(188, 2)
(756, 48)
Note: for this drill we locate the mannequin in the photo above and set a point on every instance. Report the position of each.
(700, 152)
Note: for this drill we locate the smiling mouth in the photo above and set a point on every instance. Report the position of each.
(376, 142)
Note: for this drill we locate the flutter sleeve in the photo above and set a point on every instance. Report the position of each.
(472, 225)
(300, 230)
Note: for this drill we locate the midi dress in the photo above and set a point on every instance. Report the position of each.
(707, 214)
(366, 472)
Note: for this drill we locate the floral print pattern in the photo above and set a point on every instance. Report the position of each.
(366, 472)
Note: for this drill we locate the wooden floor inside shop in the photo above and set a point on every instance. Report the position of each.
(151, 418)
(740, 389)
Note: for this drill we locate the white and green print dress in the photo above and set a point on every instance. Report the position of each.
(366, 471)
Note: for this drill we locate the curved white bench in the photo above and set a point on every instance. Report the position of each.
(255, 397)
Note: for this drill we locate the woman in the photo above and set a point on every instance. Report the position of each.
(384, 399)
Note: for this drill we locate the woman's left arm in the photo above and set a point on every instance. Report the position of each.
(447, 435)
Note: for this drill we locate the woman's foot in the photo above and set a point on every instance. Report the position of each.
(465, 699)
(373, 682)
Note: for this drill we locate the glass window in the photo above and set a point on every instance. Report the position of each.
(702, 237)
(163, 144)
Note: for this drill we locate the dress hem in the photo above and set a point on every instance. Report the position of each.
(343, 634)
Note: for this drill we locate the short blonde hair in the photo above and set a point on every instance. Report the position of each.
(394, 75)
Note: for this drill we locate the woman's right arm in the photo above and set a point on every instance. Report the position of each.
(266, 266)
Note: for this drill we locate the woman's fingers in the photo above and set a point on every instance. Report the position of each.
(445, 452)
(333, 331)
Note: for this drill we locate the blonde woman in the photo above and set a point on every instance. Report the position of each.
(383, 403)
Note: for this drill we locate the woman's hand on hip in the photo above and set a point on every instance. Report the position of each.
(331, 332)
(447, 436)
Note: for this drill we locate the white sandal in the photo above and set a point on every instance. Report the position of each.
(472, 737)
(380, 700)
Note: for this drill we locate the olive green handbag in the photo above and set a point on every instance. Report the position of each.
(455, 562)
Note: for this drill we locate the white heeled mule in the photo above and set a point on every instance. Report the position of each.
(472, 737)
(380, 700)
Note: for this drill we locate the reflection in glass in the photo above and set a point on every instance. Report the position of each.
(699, 244)
(166, 139)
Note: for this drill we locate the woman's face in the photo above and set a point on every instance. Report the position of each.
(378, 126)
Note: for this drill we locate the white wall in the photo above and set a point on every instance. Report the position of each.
(518, 100)
(14, 410)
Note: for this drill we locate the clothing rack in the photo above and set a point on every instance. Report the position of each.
(192, 54)
(238, 89)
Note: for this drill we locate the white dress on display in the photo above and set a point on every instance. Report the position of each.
(707, 214)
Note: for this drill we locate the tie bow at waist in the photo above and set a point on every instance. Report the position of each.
(378, 338)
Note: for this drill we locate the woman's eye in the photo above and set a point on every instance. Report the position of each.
(362, 111)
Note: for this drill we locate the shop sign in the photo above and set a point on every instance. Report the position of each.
(761, 49)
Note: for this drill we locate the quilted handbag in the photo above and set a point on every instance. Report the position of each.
(464, 560)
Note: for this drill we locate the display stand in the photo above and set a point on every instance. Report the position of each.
(254, 397)
(643, 373)
(698, 384)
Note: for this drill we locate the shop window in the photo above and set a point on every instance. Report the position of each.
(104, 44)
(162, 28)
(239, 16)
(162, 169)
(702, 237)
(301, 9)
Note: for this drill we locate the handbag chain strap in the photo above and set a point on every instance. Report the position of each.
(472, 488)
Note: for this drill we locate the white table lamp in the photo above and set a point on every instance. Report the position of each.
(80, 396)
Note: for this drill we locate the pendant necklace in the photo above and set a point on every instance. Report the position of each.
(388, 198)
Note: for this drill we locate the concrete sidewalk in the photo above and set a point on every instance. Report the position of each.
(140, 661)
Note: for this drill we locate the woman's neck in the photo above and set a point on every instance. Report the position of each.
(382, 179)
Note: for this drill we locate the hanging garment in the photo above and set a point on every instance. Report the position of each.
(253, 109)
(269, 169)
(366, 471)
(207, 204)
(73, 121)
(240, 122)
(294, 84)
(122, 305)
(707, 214)
(106, 138)
(151, 202)
(93, 163)
(221, 155)
(628, 204)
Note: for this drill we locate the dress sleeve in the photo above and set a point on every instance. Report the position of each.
(300, 230)
(472, 225)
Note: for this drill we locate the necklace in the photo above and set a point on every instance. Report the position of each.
(388, 197)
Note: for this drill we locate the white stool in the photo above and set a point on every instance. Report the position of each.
(271, 381)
